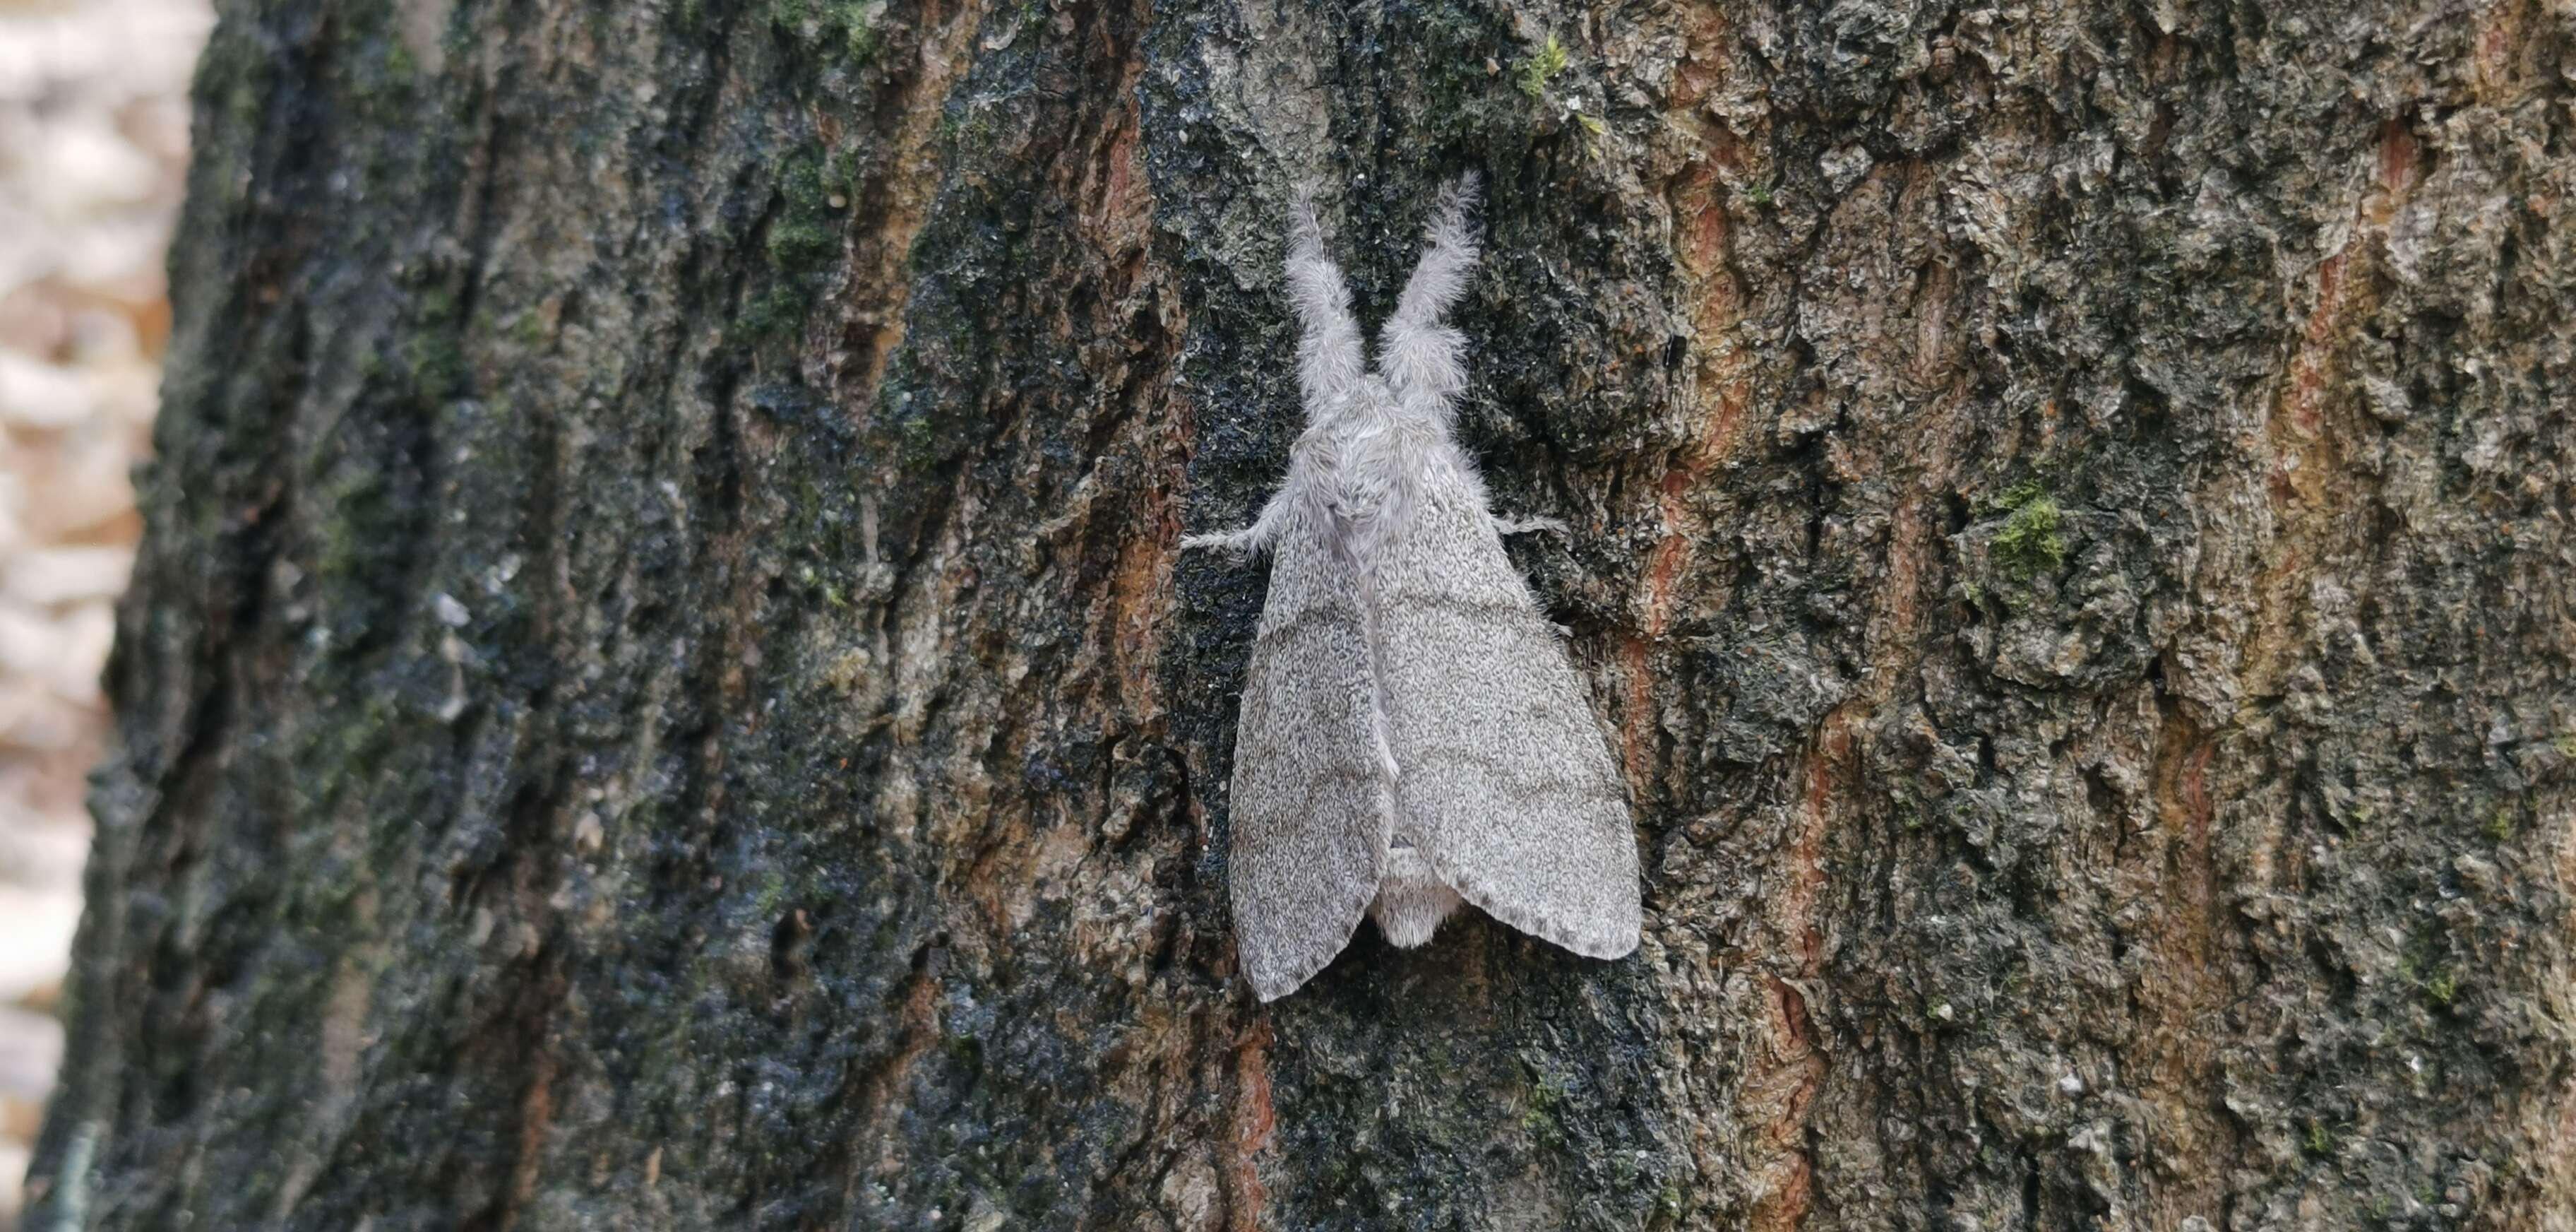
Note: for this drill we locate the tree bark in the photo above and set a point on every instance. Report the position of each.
(660, 690)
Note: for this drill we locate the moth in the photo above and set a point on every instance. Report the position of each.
(1412, 733)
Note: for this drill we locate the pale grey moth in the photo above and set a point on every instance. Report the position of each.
(1412, 731)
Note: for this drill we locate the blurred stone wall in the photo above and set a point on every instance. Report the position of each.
(93, 144)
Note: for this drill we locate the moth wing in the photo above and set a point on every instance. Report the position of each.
(1312, 806)
(1501, 767)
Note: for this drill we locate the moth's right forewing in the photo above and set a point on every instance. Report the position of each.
(1503, 769)
(1311, 806)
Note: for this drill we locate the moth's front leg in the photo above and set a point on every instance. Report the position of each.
(1523, 526)
(1250, 540)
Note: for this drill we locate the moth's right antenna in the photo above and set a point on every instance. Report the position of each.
(1422, 358)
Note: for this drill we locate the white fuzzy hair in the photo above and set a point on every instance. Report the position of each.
(1412, 734)
(1354, 472)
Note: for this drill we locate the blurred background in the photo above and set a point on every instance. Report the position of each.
(93, 153)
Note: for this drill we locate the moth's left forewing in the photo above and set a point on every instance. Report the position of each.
(1501, 764)
(1312, 809)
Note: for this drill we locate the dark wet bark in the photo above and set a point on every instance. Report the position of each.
(660, 692)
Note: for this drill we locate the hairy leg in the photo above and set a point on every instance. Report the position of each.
(1523, 526)
(1249, 540)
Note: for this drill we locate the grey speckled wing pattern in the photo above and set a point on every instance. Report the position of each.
(1312, 806)
(1503, 770)
(1413, 733)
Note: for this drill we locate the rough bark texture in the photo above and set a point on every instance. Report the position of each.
(660, 691)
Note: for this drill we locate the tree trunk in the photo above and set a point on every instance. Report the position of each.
(661, 691)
